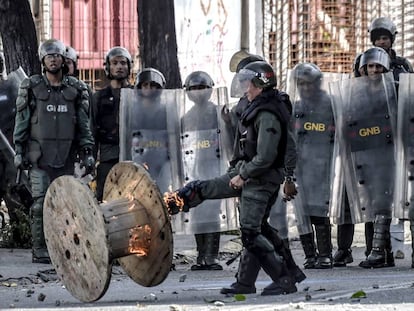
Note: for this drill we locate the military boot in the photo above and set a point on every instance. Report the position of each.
(343, 255)
(200, 242)
(276, 268)
(246, 276)
(324, 242)
(282, 249)
(309, 247)
(39, 248)
(379, 257)
(212, 247)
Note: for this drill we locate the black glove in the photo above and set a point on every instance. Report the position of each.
(88, 161)
(184, 198)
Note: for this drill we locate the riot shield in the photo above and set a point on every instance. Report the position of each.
(206, 146)
(404, 192)
(149, 133)
(314, 131)
(365, 110)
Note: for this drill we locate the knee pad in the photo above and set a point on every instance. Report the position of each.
(36, 210)
(256, 242)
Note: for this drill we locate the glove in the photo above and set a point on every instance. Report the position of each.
(184, 198)
(88, 161)
(225, 114)
(289, 189)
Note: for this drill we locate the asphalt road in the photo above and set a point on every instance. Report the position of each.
(25, 286)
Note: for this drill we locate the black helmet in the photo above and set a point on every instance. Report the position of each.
(308, 72)
(71, 53)
(198, 78)
(241, 59)
(260, 73)
(150, 75)
(117, 51)
(198, 86)
(381, 25)
(375, 55)
(51, 46)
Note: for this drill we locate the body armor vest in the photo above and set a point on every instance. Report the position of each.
(271, 101)
(107, 116)
(52, 125)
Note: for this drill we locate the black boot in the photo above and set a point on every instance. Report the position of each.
(343, 255)
(201, 252)
(309, 247)
(379, 257)
(39, 248)
(246, 276)
(283, 250)
(276, 268)
(212, 247)
(369, 235)
(324, 242)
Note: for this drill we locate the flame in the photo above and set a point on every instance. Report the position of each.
(145, 165)
(140, 240)
(174, 202)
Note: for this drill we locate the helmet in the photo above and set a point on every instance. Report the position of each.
(51, 46)
(260, 73)
(198, 78)
(117, 51)
(150, 75)
(376, 55)
(307, 72)
(241, 59)
(381, 24)
(71, 53)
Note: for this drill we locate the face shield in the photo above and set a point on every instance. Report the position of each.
(199, 95)
(240, 82)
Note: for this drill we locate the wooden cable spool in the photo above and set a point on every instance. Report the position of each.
(84, 237)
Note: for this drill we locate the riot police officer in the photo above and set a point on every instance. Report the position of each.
(71, 60)
(312, 107)
(52, 126)
(277, 217)
(255, 177)
(365, 123)
(203, 116)
(105, 113)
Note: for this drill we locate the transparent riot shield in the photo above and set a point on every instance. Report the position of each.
(314, 132)
(149, 133)
(404, 179)
(206, 149)
(365, 111)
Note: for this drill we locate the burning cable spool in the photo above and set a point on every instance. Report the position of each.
(84, 237)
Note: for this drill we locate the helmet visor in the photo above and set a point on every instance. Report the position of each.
(240, 82)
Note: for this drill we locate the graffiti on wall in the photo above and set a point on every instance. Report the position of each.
(208, 33)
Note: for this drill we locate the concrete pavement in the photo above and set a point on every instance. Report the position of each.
(24, 285)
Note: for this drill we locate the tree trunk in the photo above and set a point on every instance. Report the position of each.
(157, 39)
(18, 34)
